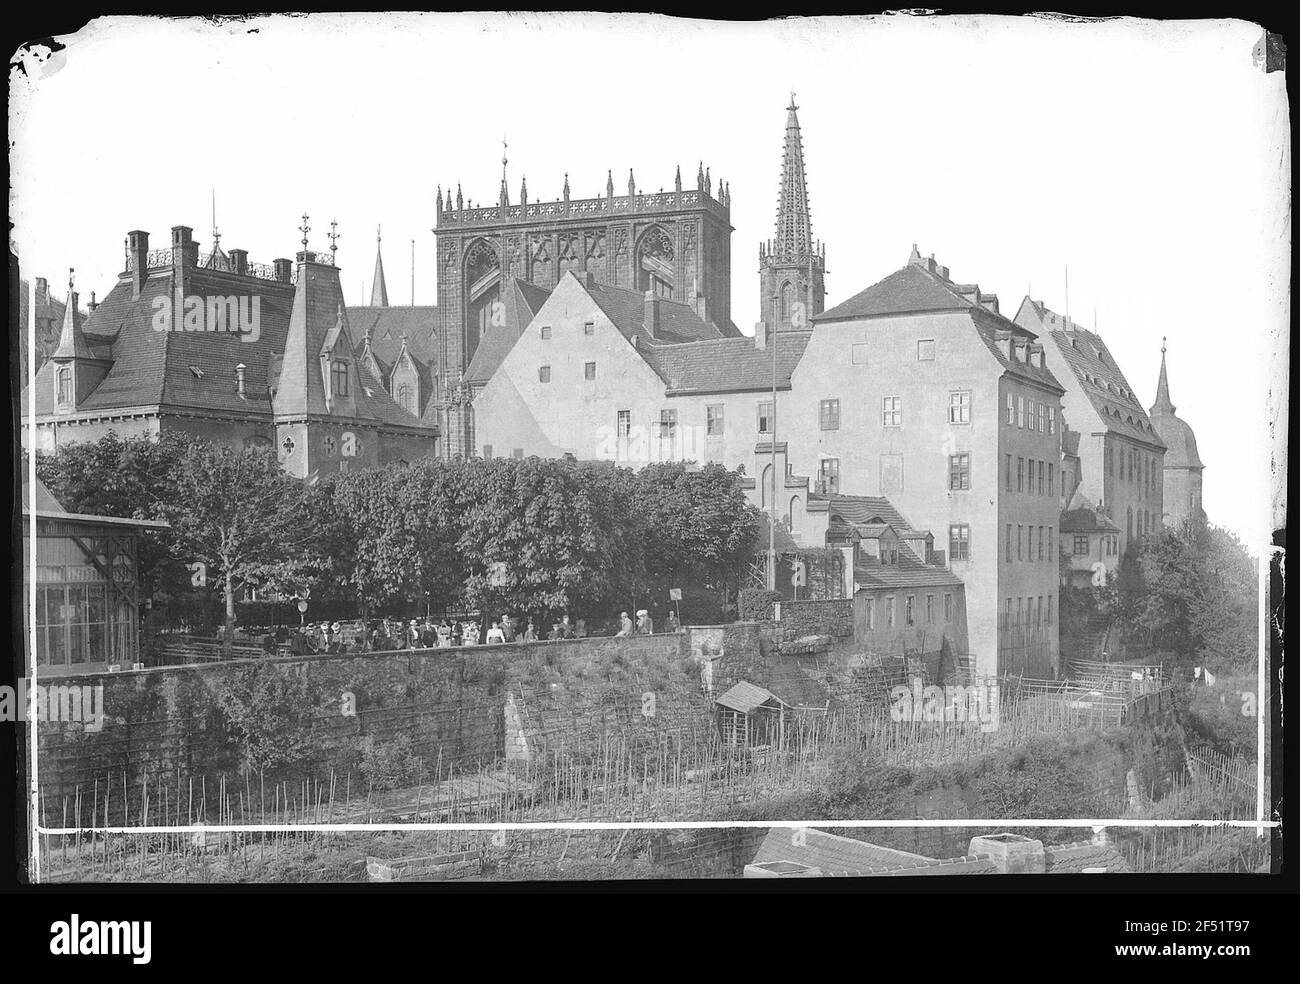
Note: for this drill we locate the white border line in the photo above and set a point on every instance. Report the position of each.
(29, 663)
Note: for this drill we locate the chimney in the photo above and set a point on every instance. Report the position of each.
(942, 272)
(1011, 853)
(651, 314)
(42, 291)
(185, 251)
(239, 261)
(283, 269)
(306, 256)
(760, 335)
(138, 244)
(239, 380)
(93, 303)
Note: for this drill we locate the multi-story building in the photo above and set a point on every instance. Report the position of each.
(1120, 456)
(1182, 461)
(919, 390)
(675, 245)
(217, 347)
(608, 373)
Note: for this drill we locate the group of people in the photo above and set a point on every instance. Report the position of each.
(645, 623)
(385, 634)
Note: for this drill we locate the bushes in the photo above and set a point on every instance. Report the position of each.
(390, 764)
(757, 604)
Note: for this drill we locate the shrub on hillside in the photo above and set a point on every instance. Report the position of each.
(756, 604)
(390, 764)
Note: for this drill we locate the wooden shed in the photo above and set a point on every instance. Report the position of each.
(750, 715)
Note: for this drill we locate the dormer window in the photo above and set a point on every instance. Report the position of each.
(64, 386)
(196, 372)
(339, 378)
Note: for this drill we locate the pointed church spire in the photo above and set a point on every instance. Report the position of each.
(609, 184)
(378, 288)
(1163, 405)
(793, 221)
(679, 179)
(523, 191)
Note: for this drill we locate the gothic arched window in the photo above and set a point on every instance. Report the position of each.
(787, 301)
(65, 386)
(405, 398)
(654, 263)
(483, 293)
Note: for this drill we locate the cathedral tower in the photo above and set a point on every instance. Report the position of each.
(792, 267)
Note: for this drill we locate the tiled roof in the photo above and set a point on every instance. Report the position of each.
(1073, 858)
(626, 309)
(831, 853)
(522, 301)
(196, 370)
(909, 572)
(917, 289)
(910, 290)
(862, 509)
(1082, 516)
(1092, 364)
(727, 364)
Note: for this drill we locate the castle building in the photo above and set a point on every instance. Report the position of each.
(918, 389)
(1182, 462)
(217, 347)
(792, 267)
(675, 245)
(1120, 454)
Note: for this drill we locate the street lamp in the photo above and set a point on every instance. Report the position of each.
(302, 611)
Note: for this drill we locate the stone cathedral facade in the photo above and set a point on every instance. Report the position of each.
(674, 244)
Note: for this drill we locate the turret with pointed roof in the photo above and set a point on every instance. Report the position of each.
(1182, 464)
(792, 267)
(378, 288)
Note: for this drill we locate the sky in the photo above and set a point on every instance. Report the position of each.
(1150, 158)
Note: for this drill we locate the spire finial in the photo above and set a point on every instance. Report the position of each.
(216, 236)
(504, 159)
(379, 233)
(334, 237)
(1163, 340)
(72, 276)
(792, 105)
(304, 229)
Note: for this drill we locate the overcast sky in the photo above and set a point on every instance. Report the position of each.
(1152, 158)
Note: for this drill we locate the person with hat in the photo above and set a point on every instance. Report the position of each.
(644, 624)
(624, 624)
(413, 634)
(530, 632)
(508, 627)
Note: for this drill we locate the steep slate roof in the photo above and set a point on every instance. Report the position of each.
(386, 326)
(1082, 516)
(867, 515)
(922, 287)
(195, 371)
(522, 301)
(1065, 859)
(626, 309)
(1099, 376)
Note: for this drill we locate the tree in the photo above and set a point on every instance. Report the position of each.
(537, 535)
(240, 514)
(393, 533)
